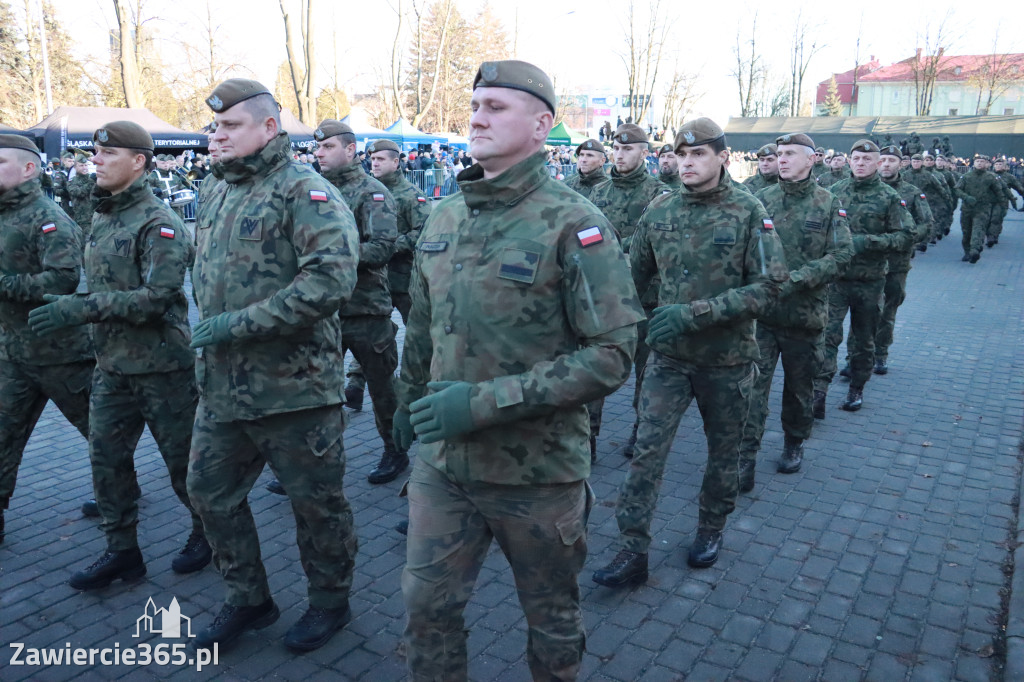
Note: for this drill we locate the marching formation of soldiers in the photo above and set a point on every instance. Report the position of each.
(526, 302)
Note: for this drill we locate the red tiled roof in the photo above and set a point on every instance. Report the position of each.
(950, 68)
(844, 81)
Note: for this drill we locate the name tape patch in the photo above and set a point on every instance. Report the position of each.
(591, 235)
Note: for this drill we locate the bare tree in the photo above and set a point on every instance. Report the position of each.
(996, 74)
(424, 81)
(680, 97)
(302, 64)
(749, 73)
(800, 58)
(126, 41)
(926, 66)
(644, 46)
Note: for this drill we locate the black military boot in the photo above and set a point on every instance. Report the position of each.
(792, 455)
(392, 463)
(234, 620)
(275, 487)
(126, 564)
(354, 398)
(402, 527)
(316, 627)
(91, 510)
(854, 399)
(704, 550)
(819, 405)
(975, 257)
(746, 475)
(966, 258)
(194, 556)
(627, 568)
(881, 367)
(630, 446)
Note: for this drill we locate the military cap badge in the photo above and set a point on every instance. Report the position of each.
(689, 137)
(318, 134)
(102, 136)
(215, 102)
(784, 139)
(372, 148)
(489, 71)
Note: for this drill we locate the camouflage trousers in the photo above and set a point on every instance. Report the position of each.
(862, 300)
(801, 351)
(596, 408)
(995, 227)
(975, 224)
(24, 390)
(306, 453)
(120, 406)
(723, 396)
(942, 216)
(403, 304)
(542, 531)
(894, 293)
(372, 342)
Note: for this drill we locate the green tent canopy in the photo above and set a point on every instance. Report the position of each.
(563, 134)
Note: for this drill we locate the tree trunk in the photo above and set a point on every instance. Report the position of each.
(133, 96)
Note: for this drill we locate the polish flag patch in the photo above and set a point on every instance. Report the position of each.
(923, 196)
(317, 195)
(422, 200)
(48, 228)
(842, 212)
(768, 224)
(903, 203)
(167, 232)
(591, 235)
(378, 196)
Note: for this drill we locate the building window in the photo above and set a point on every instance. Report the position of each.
(895, 96)
(958, 71)
(953, 112)
(1007, 112)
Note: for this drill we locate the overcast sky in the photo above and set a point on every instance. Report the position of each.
(580, 43)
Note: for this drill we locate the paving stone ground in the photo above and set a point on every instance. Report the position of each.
(883, 559)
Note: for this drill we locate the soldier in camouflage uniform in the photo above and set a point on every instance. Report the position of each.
(942, 211)
(914, 146)
(80, 188)
(277, 256)
(135, 263)
(366, 326)
(837, 171)
(719, 264)
(60, 181)
(523, 310)
(767, 169)
(40, 254)
(933, 187)
(413, 209)
(820, 167)
(668, 169)
(623, 199)
(590, 160)
(944, 168)
(895, 291)
(1010, 182)
(815, 236)
(982, 195)
(166, 181)
(879, 224)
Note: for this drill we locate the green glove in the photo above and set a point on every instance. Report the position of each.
(213, 330)
(670, 321)
(7, 287)
(443, 414)
(402, 431)
(60, 312)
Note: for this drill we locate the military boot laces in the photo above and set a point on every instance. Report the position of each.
(316, 627)
(125, 565)
(392, 463)
(792, 456)
(194, 556)
(232, 621)
(627, 568)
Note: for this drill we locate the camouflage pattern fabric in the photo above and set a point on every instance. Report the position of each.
(584, 183)
(80, 189)
(670, 385)
(624, 197)
(120, 406)
(542, 532)
(978, 212)
(372, 342)
(893, 295)
(268, 215)
(863, 300)
(670, 179)
(916, 202)
(832, 177)
(1009, 182)
(60, 189)
(937, 196)
(413, 209)
(306, 453)
(757, 182)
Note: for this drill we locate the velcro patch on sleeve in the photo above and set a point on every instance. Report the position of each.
(923, 196)
(167, 232)
(591, 235)
(317, 195)
(48, 228)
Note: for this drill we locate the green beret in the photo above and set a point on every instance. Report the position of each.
(232, 91)
(516, 75)
(329, 128)
(998, 159)
(666, 148)
(382, 146)
(697, 132)
(864, 146)
(630, 133)
(591, 146)
(14, 141)
(795, 138)
(768, 150)
(982, 156)
(66, 155)
(917, 157)
(891, 150)
(124, 134)
(819, 150)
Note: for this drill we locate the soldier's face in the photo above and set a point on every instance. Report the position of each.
(768, 165)
(916, 164)
(383, 163)
(68, 163)
(929, 162)
(14, 169)
(838, 161)
(237, 134)
(889, 166)
(589, 161)
(699, 167)
(628, 156)
(667, 163)
(333, 154)
(506, 126)
(999, 167)
(117, 167)
(82, 168)
(980, 164)
(864, 164)
(818, 157)
(905, 163)
(794, 162)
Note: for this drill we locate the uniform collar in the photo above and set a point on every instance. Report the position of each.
(595, 176)
(391, 179)
(630, 179)
(22, 195)
(797, 188)
(508, 188)
(863, 183)
(275, 154)
(716, 193)
(345, 174)
(133, 194)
